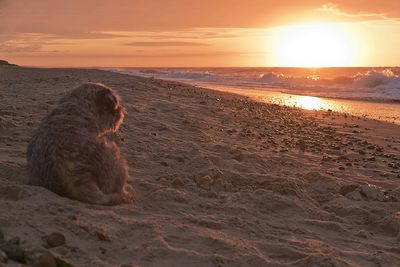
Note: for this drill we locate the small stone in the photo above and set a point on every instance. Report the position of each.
(55, 239)
(204, 182)
(372, 192)
(3, 257)
(1, 235)
(102, 250)
(345, 189)
(15, 240)
(363, 234)
(13, 252)
(62, 263)
(396, 193)
(326, 158)
(177, 183)
(102, 235)
(46, 260)
(355, 195)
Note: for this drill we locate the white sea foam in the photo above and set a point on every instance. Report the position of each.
(358, 83)
(190, 75)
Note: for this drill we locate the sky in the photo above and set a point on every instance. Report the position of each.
(186, 33)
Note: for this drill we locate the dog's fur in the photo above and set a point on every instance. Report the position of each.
(69, 153)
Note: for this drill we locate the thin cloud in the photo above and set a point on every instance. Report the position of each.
(20, 48)
(191, 34)
(84, 35)
(166, 43)
(335, 10)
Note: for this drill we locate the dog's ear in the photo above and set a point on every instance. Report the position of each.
(106, 101)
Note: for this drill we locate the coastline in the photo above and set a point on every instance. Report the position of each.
(388, 111)
(236, 78)
(322, 97)
(221, 180)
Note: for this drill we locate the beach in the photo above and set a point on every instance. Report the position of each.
(220, 180)
(365, 92)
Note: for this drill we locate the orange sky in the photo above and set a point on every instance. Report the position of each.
(186, 33)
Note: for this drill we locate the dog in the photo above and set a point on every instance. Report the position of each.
(70, 155)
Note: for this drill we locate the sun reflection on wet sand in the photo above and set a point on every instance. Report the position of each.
(375, 110)
(306, 102)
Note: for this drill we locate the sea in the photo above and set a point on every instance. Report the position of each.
(372, 92)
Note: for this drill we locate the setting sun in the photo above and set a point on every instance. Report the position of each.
(314, 45)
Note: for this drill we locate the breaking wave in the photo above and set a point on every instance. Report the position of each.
(353, 83)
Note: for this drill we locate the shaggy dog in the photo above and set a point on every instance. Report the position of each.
(70, 155)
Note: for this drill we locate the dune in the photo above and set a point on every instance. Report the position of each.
(221, 180)
(6, 63)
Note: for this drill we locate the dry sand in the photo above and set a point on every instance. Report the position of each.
(220, 180)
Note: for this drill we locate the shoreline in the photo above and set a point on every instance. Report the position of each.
(145, 72)
(340, 105)
(379, 109)
(221, 180)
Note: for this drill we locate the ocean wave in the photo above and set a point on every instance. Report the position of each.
(384, 83)
(190, 75)
(369, 83)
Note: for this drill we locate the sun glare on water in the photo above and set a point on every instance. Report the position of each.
(306, 102)
(313, 45)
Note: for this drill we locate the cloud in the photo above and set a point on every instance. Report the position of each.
(56, 17)
(333, 9)
(188, 34)
(166, 43)
(84, 35)
(9, 48)
(78, 18)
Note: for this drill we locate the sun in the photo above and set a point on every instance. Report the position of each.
(313, 45)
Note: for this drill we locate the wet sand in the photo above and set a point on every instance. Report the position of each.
(383, 111)
(221, 180)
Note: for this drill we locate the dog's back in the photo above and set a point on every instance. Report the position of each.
(69, 156)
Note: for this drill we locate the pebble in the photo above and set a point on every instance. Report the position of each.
(363, 234)
(15, 240)
(355, 195)
(55, 239)
(372, 192)
(345, 189)
(102, 235)
(3, 257)
(45, 260)
(204, 182)
(163, 163)
(177, 183)
(13, 252)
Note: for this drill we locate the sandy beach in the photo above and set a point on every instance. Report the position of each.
(220, 180)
